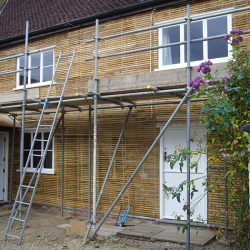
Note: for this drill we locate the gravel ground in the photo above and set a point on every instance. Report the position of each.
(42, 233)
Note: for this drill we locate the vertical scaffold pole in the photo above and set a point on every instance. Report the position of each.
(12, 156)
(89, 167)
(188, 124)
(226, 197)
(95, 119)
(62, 171)
(26, 52)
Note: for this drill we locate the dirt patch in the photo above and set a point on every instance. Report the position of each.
(42, 232)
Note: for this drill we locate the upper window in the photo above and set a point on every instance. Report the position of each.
(41, 67)
(214, 48)
(39, 147)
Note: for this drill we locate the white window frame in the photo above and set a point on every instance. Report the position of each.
(38, 84)
(44, 170)
(182, 63)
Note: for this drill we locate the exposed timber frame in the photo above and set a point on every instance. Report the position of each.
(95, 102)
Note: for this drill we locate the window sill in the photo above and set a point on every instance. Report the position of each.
(35, 85)
(193, 64)
(44, 171)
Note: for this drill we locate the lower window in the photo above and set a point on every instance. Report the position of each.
(39, 148)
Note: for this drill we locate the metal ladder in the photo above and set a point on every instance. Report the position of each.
(26, 192)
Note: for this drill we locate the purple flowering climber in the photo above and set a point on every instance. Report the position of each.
(228, 77)
(204, 67)
(235, 37)
(236, 32)
(196, 83)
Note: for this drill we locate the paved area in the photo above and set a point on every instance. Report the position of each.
(109, 230)
(167, 232)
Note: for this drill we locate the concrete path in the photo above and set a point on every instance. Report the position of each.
(167, 232)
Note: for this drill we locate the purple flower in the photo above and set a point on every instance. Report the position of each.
(209, 63)
(228, 77)
(236, 32)
(240, 38)
(210, 82)
(227, 37)
(204, 67)
(226, 88)
(235, 41)
(196, 83)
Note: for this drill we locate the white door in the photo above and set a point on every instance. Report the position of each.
(3, 166)
(170, 208)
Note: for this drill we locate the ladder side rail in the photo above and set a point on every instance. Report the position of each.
(38, 165)
(16, 206)
(55, 116)
(53, 78)
(43, 155)
(47, 146)
(39, 122)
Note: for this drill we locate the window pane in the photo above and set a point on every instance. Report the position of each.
(47, 74)
(46, 136)
(38, 143)
(171, 55)
(21, 74)
(36, 159)
(196, 50)
(217, 26)
(27, 140)
(47, 58)
(35, 75)
(26, 154)
(35, 60)
(217, 47)
(48, 160)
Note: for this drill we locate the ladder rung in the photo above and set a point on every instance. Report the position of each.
(13, 218)
(26, 186)
(67, 55)
(44, 125)
(13, 236)
(24, 203)
(36, 155)
(40, 140)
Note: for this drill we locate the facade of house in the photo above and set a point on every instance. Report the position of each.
(71, 25)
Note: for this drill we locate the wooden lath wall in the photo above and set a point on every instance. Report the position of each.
(143, 126)
(83, 70)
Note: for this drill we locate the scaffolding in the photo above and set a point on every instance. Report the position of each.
(92, 102)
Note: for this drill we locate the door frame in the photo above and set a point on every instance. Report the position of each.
(6, 144)
(176, 126)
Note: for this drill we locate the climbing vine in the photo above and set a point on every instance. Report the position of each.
(226, 111)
